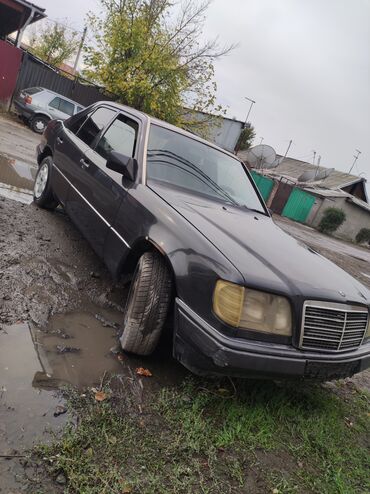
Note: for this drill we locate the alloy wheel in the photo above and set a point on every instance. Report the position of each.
(41, 180)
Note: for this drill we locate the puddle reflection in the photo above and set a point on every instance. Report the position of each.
(75, 349)
(16, 179)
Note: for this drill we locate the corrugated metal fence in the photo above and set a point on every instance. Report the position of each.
(10, 61)
(34, 72)
(264, 184)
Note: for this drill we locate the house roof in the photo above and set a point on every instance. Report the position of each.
(335, 180)
(14, 14)
(338, 193)
(358, 202)
(327, 192)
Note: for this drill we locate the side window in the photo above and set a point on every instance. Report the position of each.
(120, 137)
(94, 124)
(66, 106)
(79, 108)
(54, 103)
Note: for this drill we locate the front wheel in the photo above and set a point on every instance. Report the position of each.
(147, 304)
(42, 192)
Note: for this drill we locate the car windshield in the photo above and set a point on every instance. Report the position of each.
(179, 160)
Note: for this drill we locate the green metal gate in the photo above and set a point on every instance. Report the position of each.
(299, 205)
(264, 184)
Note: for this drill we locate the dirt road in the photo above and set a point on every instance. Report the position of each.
(60, 312)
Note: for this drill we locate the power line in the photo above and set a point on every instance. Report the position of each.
(63, 24)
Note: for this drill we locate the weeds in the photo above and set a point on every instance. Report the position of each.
(203, 438)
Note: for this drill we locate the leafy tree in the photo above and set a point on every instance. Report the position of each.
(54, 43)
(149, 53)
(331, 220)
(245, 139)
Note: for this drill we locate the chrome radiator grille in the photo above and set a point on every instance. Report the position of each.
(333, 327)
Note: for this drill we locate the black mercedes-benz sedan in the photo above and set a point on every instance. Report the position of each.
(186, 219)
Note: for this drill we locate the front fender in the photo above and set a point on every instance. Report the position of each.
(195, 262)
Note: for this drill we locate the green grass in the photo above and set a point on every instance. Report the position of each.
(203, 438)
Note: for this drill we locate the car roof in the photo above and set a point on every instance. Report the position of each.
(166, 125)
(60, 96)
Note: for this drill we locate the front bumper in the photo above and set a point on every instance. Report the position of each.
(205, 351)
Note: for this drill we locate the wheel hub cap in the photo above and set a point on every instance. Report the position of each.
(41, 180)
(39, 124)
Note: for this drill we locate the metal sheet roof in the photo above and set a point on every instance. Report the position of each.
(14, 14)
(337, 179)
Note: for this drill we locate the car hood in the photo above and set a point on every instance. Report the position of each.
(266, 256)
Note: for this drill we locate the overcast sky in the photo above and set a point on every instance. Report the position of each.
(305, 63)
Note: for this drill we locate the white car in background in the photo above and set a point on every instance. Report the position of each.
(37, 106)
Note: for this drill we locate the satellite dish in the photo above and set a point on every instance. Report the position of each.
(315, 175)
(324, 173)
(277, 162)
(307, 176)
(261, 156)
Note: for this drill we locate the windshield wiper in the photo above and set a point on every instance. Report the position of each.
(255, 210)
(211, 183)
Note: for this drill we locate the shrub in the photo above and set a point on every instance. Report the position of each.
(331, 220)
(363, 236)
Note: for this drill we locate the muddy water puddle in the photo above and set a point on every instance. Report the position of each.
(16, 179)
(77, 348)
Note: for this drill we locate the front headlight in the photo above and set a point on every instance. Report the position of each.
(251, 309)
(367, 335)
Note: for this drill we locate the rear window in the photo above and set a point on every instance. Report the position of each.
(32, 90)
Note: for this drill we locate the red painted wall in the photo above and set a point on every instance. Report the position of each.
(10, 61)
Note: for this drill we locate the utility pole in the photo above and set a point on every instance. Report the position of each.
(314, 157)
(318, 165)
(262, 138)
(250, 108)
(79, 50)
(356, 158)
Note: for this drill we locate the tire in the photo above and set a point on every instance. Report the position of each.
(39, 123)
(42, 192)
(147, 304)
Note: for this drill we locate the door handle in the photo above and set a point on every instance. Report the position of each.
(59, 140)
(84, 163)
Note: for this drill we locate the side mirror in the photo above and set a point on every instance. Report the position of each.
(122, 164)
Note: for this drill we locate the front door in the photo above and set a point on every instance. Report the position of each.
(101, 187)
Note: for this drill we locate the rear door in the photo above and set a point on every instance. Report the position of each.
(67, 108)
(103, 188)
(60, 108)
(53, 108)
